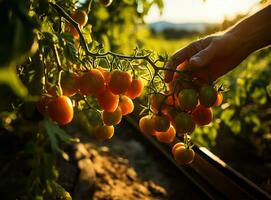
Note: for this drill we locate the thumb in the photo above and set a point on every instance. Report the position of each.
(203, 57)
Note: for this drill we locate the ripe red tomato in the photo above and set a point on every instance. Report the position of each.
(103, 132)
(184, 123)
(161, 123)
(135, 89)
(183, 155)
(202, 115)
(207, 95)
(119, 82)
(60, 109)
(112, 118)
(188, 99)
(167, 136)
(80, 17)
(92, 82)
(126, 105)
(108, 101)
(146, 125)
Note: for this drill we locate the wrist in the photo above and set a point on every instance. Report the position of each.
(253, 32)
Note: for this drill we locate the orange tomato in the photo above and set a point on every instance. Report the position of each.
(119, 82)
(135, 89)
(92, 82)
(104, 132)
(112, 118)
(183, 155)
(219, 99)
(167, 136)
(60, 109)
(126, 105)
(105, 73)
(178, 144)
(108, 101)
(146, 125)
(80, 17)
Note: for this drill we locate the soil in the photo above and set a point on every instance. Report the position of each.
(126, 167)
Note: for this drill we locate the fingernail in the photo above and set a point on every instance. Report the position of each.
(195, 60)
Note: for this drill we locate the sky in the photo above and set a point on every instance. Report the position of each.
(214, 11)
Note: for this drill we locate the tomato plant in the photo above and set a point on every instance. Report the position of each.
(64, 61)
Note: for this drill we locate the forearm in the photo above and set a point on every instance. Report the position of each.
(254, 32)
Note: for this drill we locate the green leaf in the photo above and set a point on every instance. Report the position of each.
(87, 33)
(227, 114)
(235, 126)
(51, 130)
(9, 77)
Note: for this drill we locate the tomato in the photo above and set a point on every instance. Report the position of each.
(60, 109)
(161, 123)
(68, 84)
(167, 136)
(207, 95)
(184, 123)
(188, 99)
(135, 89)
(119, 82)
(169, 76)
(158, 101)
(108, 101)
(178, 144)
(202, 115)
(112, 118)
(219, 99)
(104, 132)
(105, 73)
(91, 82)
(106, 3)
(146, 125)
(181, 67)
(183, 155)
(80, 17)
(171, 113)
(126, 105)
(69, 28)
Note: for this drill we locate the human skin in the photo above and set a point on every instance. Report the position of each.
(222, 52)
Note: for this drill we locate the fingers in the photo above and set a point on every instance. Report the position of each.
(180, 57)
(202, 58)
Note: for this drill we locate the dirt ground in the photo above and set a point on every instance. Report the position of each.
(126, 167)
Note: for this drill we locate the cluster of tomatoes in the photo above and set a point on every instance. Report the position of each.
(113, 90)
(187, 103)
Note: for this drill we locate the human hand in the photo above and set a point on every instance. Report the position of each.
(217, 55)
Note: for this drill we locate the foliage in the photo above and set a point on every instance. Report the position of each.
(35, 50)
